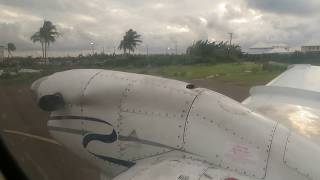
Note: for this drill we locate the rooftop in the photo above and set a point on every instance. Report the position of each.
(268, 45)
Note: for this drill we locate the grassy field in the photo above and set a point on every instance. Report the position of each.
(237, 73)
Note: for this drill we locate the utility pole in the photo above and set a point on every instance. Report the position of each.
(176, 46)
(92, 47)
(147, 50)
(230, 42)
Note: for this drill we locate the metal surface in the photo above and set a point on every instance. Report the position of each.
(292, 100)
(220, 174)
(300, 77)
(152, 105)
(300, 155)
(145, 127)
(175, 169)
(236, 138)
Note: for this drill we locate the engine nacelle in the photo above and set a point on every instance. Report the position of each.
(115, 119)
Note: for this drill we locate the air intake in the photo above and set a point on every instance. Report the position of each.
(51, 102)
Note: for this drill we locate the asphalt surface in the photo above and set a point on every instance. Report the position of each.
(236, 92)
(23, 127)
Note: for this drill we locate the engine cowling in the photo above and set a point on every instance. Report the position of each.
(115, 119)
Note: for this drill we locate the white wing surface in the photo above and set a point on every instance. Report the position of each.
(177, 169)
(304, 77)
(293, 100)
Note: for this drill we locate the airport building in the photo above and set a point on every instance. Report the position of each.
(310, 48)
(265, 48)
(1, 54)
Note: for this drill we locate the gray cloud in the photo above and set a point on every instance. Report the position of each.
(161, 23)
(297, 7)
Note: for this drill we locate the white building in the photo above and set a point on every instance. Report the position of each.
(313, 46)
(1, 53)
(266, 48)
(310, 48)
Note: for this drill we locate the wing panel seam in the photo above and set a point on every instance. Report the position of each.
(187, 117)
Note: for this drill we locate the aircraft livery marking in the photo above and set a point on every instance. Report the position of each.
(106, 138)
(88, 137)
(115, 161)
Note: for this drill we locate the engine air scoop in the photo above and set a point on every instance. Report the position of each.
(51, 102)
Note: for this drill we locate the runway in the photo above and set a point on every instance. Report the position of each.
(23, 127)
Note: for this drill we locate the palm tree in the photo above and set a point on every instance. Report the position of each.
(10, 48)
(36, 37)
(130, 41)
(47, 34)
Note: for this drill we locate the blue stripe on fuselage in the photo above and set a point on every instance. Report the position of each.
(78, 118)
(127, 164)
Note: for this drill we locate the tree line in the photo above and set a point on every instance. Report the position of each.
(205, 48)
(48, 33)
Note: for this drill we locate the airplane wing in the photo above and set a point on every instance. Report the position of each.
(304, 77)
(291, 99)
(177, 169)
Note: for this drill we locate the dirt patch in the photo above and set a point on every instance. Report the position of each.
(236, 92)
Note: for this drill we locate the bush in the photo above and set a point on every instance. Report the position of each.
(220, 50)
(273, 66)
(5, 75)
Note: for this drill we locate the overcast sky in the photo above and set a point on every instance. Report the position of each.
(162, 24)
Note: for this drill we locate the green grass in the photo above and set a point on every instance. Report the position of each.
(23, 78)
(237, 73)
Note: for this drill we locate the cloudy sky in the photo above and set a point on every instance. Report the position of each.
(162, 24)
